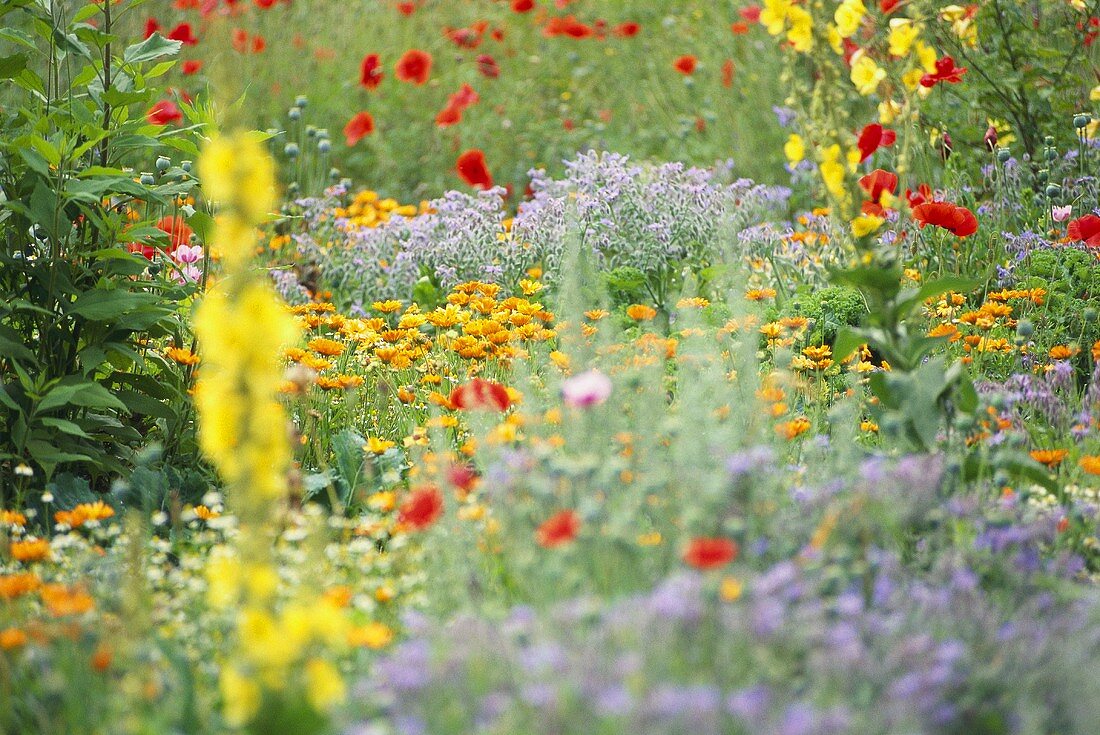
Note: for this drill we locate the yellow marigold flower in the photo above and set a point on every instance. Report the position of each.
(888, 111)
(376, 445)
(530, 288)
(596, 314)
(372, 635)
(868, 426)
(1049, 457)
(696, 302)
(181, 355)
(383, 501)
(560, 359)
(387, 307)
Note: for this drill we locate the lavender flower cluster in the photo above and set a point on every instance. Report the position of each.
(647, 217)
(796, 655)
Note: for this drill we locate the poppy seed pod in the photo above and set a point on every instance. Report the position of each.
(1089, 315)
(294, 113)
(1081, 120)
(1003, 154)
(147, 178)
(291, 150)
(300, 101)
(1053, 191)
(163, 163)
(1025, 328)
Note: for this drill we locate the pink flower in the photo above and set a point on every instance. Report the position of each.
(587, 389)
(186, 256)
(1061, 214)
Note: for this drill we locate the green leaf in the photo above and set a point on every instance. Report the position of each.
(847, 341)
(65, 426)
(102, 305)
(154, 47)
(86, 394)
(12, 346)
(10, 66)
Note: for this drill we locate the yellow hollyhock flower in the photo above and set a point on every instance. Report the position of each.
(794, 149)
(848, 16)
(903, 32)
(774, 15)
(801, 33)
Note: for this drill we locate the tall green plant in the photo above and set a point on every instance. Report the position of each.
(79, 388)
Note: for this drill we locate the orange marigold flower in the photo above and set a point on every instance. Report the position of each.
(11, 638)
(793, 428)
(1090, 463)
(62, 600)
(83, 513)
(30, 550)
(326, 347)
(1063, 352)
(640, 312)
(16, 585)
(1049, 457)
(181, 355)
(12, 518)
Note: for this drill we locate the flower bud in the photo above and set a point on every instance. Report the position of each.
(1053, 191)
(1025, 328)
(990, 138)
(291, 150)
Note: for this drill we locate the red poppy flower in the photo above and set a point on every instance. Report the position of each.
(873, 137)
(487, 65)
(178, 230)
(888, 6)
(163, 113)
(465, 97)
(183, 34)
(191, 66)
(567, 26)
(479, 393)
(151, 27)
(727, 73)
(406, 8)
(422, 508)
(750, 14)
(1086, 229)
(358, 128)
(627, 30)
(957, 220)
(463, 477)
(710, 553)
(463, 37)
(449, 115)
(878, 182)
(370, 71)
(685, 64)
(946, 71)
(739, 28)
(471, 168)
(138, 248)
(920, 196)
(414, 66)
(559, 529)
(523, 6)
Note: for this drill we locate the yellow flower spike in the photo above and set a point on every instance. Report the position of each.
(241, 696)
(801, 33)
(774, 15)
(325, 688)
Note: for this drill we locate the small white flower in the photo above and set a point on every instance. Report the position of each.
(24, 470)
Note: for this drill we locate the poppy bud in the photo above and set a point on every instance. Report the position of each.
(991, 138)
(324, 145)
(1081, 120)
(311, 131)
(300, 101)
(1051, 154)
(1025, 328)
(1042, 176)
(294, 113)
(1003, 154)
(1049, 140)
(1053, 190)
(291, 150)
(946, 146)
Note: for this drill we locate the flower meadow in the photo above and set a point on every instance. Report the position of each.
(549, 366)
